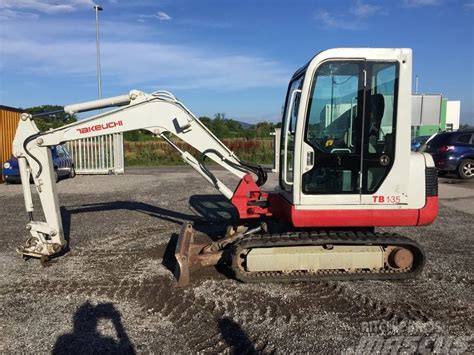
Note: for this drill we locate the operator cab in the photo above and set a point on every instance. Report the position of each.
(347, 118)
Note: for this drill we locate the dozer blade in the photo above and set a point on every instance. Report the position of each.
(186, 237)
(191, 256)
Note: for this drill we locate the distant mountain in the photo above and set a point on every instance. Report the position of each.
(245, 125)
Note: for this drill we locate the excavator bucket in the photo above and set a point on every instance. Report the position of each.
(191, 256)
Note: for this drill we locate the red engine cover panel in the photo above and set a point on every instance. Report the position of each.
(428, 213)
(279, 207)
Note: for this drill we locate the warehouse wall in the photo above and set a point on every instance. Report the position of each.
(9, 118)
(453, 113)
(426, 109)
(428, 114)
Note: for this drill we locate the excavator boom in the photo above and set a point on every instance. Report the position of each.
(159, 113)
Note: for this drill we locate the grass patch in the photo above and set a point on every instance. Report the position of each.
(155, 153)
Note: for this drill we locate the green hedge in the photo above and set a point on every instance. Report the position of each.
(155, 153)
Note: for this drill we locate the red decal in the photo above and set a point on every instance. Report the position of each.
(100, 127)
(386, 199)
(378, 199)
(393, 199)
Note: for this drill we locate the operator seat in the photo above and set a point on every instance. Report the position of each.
(377, 109)
(376, 173)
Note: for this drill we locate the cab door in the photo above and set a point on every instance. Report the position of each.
(379, 129)
(333, 134)
(288, 146)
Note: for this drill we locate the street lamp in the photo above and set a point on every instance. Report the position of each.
(98, 8)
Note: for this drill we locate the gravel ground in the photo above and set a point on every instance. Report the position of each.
(113, 291)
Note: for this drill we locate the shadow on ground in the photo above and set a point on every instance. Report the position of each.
(235, 337)
(212, 214)
(86, 337)
(208, 208)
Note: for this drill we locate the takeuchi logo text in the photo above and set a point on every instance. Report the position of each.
(100, 127)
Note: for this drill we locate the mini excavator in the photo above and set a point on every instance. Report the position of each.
(345, 169)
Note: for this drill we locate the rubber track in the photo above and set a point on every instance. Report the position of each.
(321, 238)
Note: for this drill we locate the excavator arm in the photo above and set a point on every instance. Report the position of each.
(160, 113)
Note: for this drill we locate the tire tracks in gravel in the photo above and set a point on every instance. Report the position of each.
(460, 311)
(358, 307)
(100, 270)
(134, 272)
(198, 311)
(195, 311)
(137, 280)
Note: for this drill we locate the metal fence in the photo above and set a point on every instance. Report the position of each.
(276, 149)
(98, 155)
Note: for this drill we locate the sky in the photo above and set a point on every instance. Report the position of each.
(234, 57)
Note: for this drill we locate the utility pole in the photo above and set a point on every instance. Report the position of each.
(98, 8)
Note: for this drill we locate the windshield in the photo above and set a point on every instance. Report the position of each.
(333, 107)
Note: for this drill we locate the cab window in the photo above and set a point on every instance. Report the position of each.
(379, 150)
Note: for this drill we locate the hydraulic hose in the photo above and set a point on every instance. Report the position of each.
(249, 167)
(25, 143)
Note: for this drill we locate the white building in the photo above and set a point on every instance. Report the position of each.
(453, 112)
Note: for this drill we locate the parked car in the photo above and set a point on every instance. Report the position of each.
(453, 152)
(417, 142)
(62, 162)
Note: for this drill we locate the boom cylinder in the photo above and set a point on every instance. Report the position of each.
(102, 103)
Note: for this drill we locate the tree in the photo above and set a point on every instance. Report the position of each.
(263, 129)
(234, 126)
(229, 128)
(206, 120)
(219, 126)
(56, 119)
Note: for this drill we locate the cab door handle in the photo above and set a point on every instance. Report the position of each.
(310, 158)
